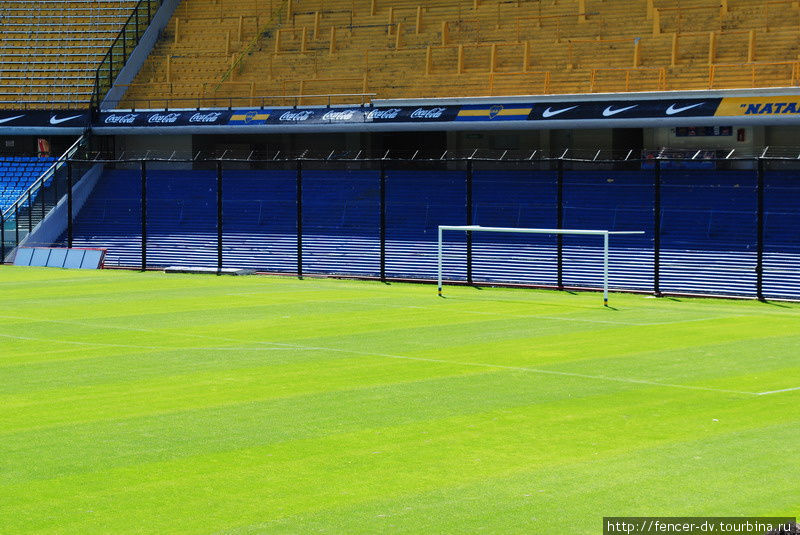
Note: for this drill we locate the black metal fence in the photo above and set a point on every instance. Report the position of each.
(716, 227)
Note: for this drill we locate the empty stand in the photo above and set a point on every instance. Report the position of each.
(708, 230)
(50, 50)
(221, 49)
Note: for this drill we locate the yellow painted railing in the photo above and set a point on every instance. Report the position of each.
(633, 79)
(734, 75)
(760, 74)
(274, 20)
(537, 81)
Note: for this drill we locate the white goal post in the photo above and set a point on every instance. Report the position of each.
(476, 228)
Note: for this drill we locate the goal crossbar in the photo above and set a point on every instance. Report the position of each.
(579, 232)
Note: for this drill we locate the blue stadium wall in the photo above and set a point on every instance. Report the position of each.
(708, 224)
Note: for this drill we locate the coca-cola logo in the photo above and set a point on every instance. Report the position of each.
(211, 117)
(126, 118)
(344, 115)
(387, 114)
(296, 116)
(428, 113)
(167, 118)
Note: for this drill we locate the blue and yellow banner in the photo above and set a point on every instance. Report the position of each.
(249, 117)
(495, 112)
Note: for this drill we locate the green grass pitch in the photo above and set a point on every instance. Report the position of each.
(152, 403)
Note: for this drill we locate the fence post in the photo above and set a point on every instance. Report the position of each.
(55, 190)
(383, 220)
(469, 220)
(41, 195)
(69, 204)
(760, 230)
(110, 68)
(16, 224)
(144, 214)
(41, 199)
(657, 228)
(96, 88)
(30, 213)
(560, 223)
(2, 238)
(219, 217)
(299, 219)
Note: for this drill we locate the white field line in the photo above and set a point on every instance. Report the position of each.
(514, 368)
(60, 351)
(51, 281)
(294, 347)
(584, 320)
(568, 319)
(90, 325)
(288, 346)
(778, 391)
(500, 314)
(127, 346)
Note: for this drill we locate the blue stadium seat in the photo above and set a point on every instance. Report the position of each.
(708, 221)
(17, 173)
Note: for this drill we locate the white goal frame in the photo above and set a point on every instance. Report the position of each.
(477, 228)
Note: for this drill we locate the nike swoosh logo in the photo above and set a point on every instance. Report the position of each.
(608, 112)
(672, 110)
(550, 113)
(8, 119)
(53, 119)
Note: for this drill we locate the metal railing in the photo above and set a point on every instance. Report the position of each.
(754, 74)
(275, 20)
(33, 205)
(122, 47)
(498, 83)
(722, 156)
(230, 102)
(635, 79)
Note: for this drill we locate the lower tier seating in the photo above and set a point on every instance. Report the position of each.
(708, 228)
(17, 174)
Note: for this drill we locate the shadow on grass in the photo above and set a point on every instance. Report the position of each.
(776, 304)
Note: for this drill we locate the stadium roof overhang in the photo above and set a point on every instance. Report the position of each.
(779, 106)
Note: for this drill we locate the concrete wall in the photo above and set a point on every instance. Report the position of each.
(164, 146)
(665, 137)
(462, 142)
(54, 225)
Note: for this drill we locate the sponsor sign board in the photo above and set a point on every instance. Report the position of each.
(787, 105)
(163, 118)
(44, 119)
(625, 109)
(534, 112)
